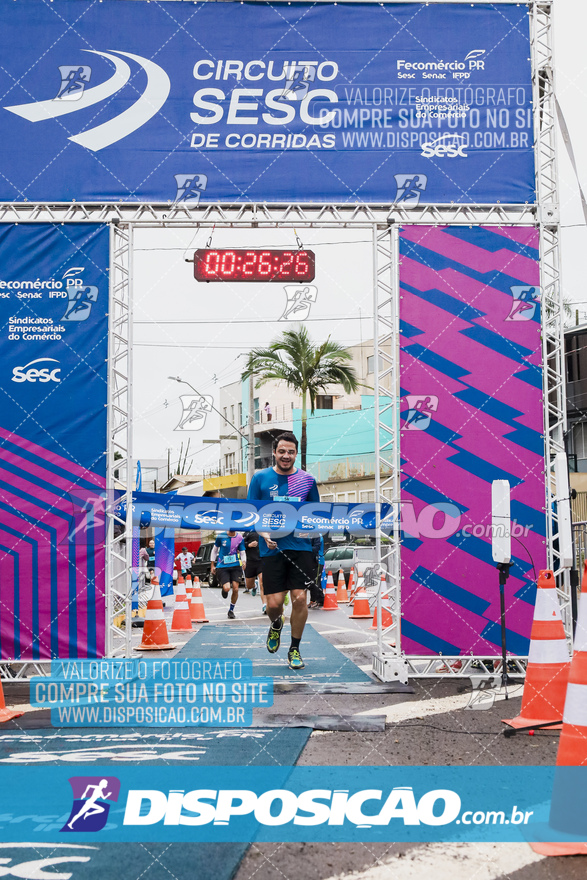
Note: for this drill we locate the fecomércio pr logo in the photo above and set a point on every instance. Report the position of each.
(91, 796)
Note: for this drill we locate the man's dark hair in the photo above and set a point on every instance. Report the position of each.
(210, 493)
(288, 437)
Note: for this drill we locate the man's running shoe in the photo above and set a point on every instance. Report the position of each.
(274, 637)
(294, 659)
(224, 593)
(264, 609)
(254, 591)
(286, 600)
(231, 615)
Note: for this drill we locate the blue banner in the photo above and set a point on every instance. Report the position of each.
(273, 102)
(98, 804)
(53, 365)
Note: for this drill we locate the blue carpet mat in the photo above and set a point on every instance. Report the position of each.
(129, 861)
(241, 746)
(324, 663)
(138, 861)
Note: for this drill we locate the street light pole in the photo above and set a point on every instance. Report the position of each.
(251, 440)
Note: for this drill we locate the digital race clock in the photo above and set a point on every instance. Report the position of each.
(254, 265)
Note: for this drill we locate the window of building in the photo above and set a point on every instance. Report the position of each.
(324, 401)
(371, 363)
(240, 415)
(226, 414)
(347, 497)
(367, 497)
(230, 462)
(328, 497)
(232, 413)
(256, 409)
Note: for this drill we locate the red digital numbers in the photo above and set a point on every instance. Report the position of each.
(254, 265)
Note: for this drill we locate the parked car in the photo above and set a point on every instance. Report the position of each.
(347, 557)
(202, 564)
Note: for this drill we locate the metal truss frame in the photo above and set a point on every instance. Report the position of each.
(389, 662)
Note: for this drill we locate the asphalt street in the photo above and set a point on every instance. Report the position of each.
(431, 726)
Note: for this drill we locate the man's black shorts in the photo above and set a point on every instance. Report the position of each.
(288, 570)
(253, 568)
(227, 575)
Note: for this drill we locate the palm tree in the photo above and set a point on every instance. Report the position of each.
(305, 367)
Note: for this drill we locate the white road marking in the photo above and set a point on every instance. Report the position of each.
(452, 861)
(420, 708)
(355, 645)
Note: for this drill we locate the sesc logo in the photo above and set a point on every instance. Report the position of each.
(28, 373)
(449, 145)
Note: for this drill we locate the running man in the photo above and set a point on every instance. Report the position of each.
(90, 807)
(288, 562)
(229, 550)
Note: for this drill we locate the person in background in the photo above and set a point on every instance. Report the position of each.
(229, 550)
(267, 411)
(253, 569)
(316, 591)
(150, 548)
(185, 559)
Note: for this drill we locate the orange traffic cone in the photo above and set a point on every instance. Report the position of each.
(361, 607)
(548, 660)
(181, 621)
(342, 597)
(572, 749)
(330, 603)
(352, 586)
(7, 714)
(386, 618)
(180, 580)
(197, 613)
(155, 636)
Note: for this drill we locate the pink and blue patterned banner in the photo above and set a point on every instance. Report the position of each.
(471, 413)
(53, 379)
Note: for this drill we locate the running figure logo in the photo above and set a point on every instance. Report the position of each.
(194, 411)
(74, 79)
(526, 303)
(299, 77)
(90, 802)
(420, 409)
(81, 300)
(299, 301)
(409, 188)
(190, 187)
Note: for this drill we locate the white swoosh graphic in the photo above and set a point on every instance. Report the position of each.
(150, 102)
(40, 110)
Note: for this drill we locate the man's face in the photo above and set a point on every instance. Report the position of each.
(151, 543)
(285, 455)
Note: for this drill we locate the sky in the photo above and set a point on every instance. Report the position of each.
(186, 328)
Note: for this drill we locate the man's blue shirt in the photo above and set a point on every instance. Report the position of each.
(268, 485)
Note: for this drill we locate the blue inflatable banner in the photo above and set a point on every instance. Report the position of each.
(53, 319)
(188, 102)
